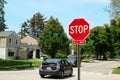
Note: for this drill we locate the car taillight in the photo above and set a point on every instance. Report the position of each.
(58, 67)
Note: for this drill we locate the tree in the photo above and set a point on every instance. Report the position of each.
(114, 29)
(105, 40)
(89, 49)
(37, 24)
(115, 37)
(99, 39)
(2, 20)
(114, 7)
(53, 38)
(34, 26)
(24, 29)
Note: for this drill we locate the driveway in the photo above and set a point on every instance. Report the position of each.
(89, 71)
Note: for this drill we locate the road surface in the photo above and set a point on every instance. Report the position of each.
(103, 67)
(89, 71)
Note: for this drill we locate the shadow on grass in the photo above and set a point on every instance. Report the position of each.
(15, 68)
(7, 65)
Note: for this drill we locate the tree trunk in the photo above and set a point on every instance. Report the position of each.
(104, 56)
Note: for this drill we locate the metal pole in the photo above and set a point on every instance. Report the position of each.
(79, 61)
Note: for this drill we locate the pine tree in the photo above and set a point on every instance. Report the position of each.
(34, 26)
(2, 20)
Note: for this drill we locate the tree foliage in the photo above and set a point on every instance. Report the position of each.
(34, 26)
(99, 39)
(53, 38)
(2, 13)
(115, 36)
(114, 7)
(105, 40)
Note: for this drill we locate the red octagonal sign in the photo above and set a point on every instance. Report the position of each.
(79, 29)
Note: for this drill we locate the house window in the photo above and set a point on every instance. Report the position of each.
(10, 54)
(16, 41)
(10, 41)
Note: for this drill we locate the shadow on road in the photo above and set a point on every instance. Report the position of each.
(108, 60)
(57, 77)
(113, 60)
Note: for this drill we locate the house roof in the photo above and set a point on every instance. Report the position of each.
(29, 40)
(30, 37)
(6, 33)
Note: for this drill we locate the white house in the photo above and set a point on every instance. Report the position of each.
(9, 42)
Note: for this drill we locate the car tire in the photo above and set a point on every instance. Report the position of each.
(42, 76)
(62, 74)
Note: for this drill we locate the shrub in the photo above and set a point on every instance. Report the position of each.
(61, 55)
(47, 57)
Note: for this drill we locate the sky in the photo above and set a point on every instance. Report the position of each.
(93, 11)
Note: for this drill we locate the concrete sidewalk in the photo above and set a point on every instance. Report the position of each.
(97, 76)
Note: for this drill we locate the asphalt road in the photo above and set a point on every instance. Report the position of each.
(89, 71)
(103, 67)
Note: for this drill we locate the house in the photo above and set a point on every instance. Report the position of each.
(29, 48)
(9, 42)
(12, 47)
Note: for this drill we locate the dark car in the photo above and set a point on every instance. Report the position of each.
(72, 60)
(56, 67)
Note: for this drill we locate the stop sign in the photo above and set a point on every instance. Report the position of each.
(79, 29)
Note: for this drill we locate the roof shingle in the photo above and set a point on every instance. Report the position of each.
(6, 33)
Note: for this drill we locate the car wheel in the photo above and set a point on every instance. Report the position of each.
(62, 74)
(71, 72)
(42, 76)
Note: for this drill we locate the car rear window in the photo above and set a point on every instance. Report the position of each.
(52, 61)
(72, 57)
(50, 64)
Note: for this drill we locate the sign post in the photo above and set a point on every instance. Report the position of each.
(79, 30)
(79, 61)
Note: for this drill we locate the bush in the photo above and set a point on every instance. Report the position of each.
(61, 55)
(47, 57)
(1, 59)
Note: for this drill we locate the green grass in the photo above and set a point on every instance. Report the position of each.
(18, 64)
(116, 71)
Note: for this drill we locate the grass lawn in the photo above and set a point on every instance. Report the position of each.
(19, 64)
(116, 71)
